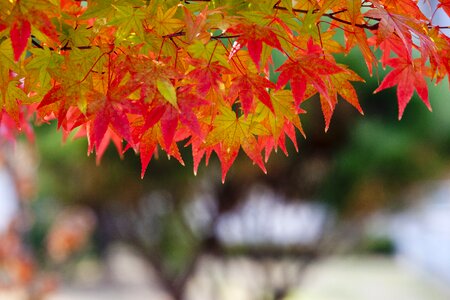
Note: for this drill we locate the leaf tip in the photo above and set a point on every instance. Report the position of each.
(143, 169)
(401, 110)
(428, 105)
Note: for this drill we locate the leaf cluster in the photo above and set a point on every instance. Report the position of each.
(147, 75)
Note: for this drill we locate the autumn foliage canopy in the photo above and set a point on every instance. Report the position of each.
(160, 74)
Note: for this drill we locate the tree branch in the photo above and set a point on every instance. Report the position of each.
(331, 16)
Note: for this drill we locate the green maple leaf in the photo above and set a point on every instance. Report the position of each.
(230, 133)
(167, 90)
(11, 97)
(128, 20)
(285, 110)
(7, 56)
(76, 37)
(164, 22)
(280, 122)
(212, 51)
(42, 61)
(100, 9)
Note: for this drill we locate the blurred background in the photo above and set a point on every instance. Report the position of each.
(361, 212)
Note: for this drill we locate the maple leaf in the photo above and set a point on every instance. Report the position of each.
(3, 25)
(147, 147)
(43, 61)
(307, 68)
(445, 5)
(59, 99)
(230, 133)
(167, 90)
(248, 87)
(11, 97)
(184, 113)
(129, 20)
(401, 25)
(43, 23)
(440, 64)
(111, 114)
(285, 109)
(211, 52)
(280, 122)
(20, 34)
(199, 150)
(7, 62)
(270, 143)
(163, 22)
(339, 83)
(146, 141)
(55, 94)
(408, 76)
(110, 110)
(196, 26)
(11, 128)
(357, 37)
(408, 7)
(109, 135)
(207, 76)
(252, 36)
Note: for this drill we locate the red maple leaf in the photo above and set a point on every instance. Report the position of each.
(252, 36)
(271, 143)
(207, 75)
(111, 114)
(339, 84)
(445, 4)
(57, 102)
(247, 87)
(146, 141)
(393, 44)
(198, 147)
(20, 33)
(408, 75)
(409, 7)
(440, 64)
(187, 102)
(308, 67)
(3, 25)
(401, 25)
(42, 22)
